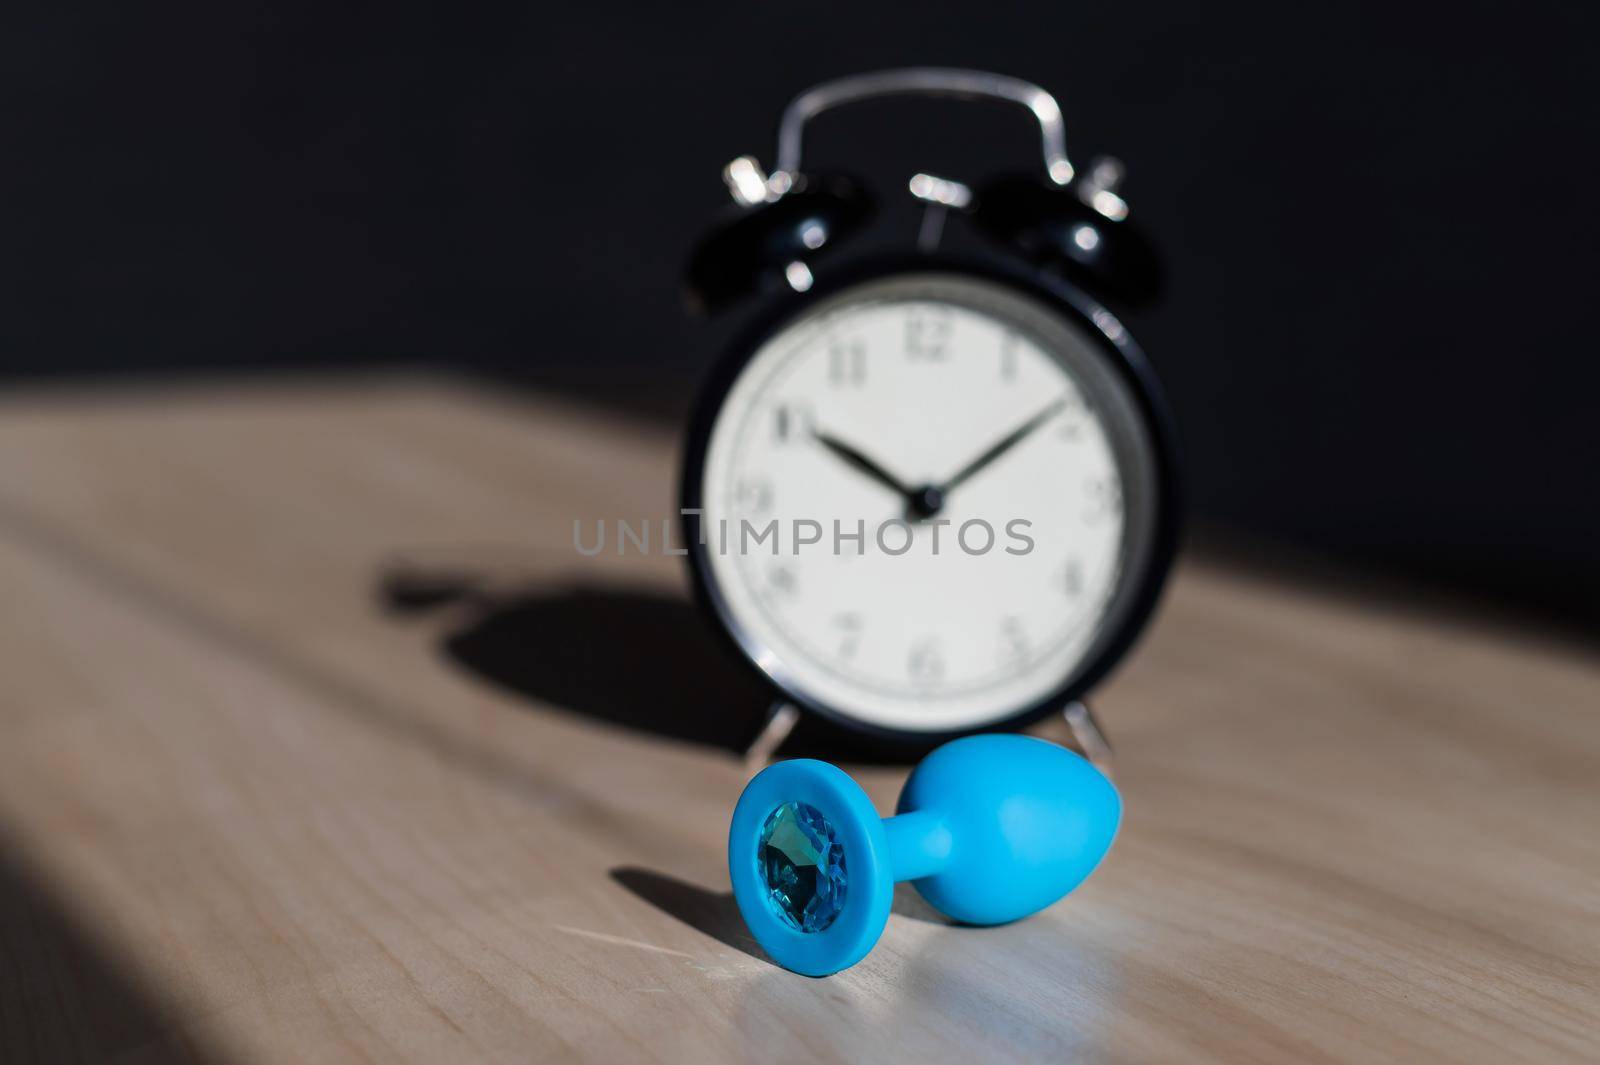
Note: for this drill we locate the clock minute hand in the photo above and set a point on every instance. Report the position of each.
(1004, 444)
(860, 461)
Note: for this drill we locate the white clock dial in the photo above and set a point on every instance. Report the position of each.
(925, 500)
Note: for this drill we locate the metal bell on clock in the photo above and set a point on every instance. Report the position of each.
(989, 829)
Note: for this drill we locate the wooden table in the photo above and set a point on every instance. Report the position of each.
(259, 802)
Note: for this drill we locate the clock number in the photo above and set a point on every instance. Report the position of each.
(849, 627)
(753, 495)
(1013, 641)
(926, 664)
(1074, 416)
(927, 335)
(1072, 579)
(791, 421)
(781, 580)
(1008, 357)
(847, 363)
(1104, 499)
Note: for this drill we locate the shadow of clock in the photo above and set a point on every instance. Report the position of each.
(639, 659)
(632, 657)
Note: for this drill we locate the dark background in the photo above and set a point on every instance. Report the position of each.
(1379, 220)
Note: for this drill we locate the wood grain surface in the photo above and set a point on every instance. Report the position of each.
(319, 742)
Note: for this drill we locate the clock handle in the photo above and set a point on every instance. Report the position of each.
(920, 81)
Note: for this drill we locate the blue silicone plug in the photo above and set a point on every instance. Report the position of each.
(989, 829)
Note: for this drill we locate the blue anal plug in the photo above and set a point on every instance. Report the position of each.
(989, 829)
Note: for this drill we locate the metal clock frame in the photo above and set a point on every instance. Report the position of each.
(1123, 356)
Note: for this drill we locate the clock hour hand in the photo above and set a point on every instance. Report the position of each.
(859, 460)
(1004, 444)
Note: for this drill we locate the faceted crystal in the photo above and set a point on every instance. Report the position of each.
(801, 862)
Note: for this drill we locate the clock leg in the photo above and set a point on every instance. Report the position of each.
(1088, 734)
(781, 719)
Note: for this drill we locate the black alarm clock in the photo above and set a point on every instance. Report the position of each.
(925, 496)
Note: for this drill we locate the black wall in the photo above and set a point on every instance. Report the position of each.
(1378, 219)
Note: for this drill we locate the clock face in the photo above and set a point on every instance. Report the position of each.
(928, 502)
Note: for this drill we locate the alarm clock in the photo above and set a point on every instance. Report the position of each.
(924, 495)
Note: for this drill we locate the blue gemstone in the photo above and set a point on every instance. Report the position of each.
(801, 862)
